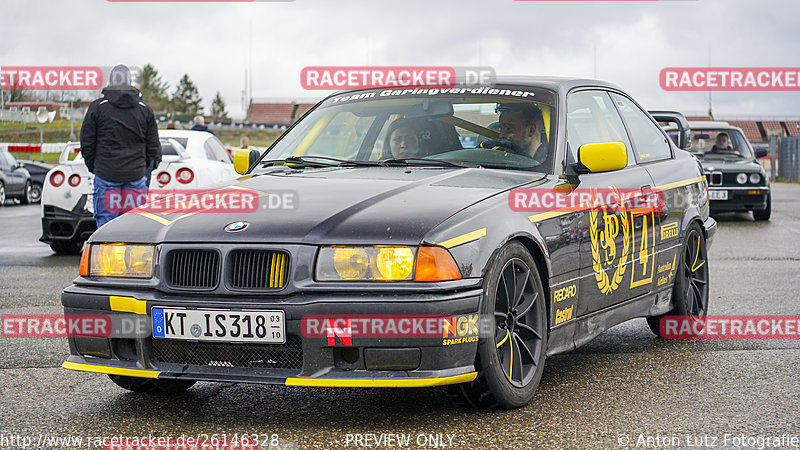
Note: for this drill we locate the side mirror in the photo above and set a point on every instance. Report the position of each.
(761, 152)
(602, 157)
(243, 159)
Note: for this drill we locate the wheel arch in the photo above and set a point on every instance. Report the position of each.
(692, 216)
(541, 266)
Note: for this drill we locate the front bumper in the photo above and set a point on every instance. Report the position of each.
(61, 225)
(740, 199)
(304, 360)
(710, 227)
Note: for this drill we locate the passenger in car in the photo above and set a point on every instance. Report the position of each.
(402, 140)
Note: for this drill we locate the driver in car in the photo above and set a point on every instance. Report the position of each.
(518, 123)
(722, 143)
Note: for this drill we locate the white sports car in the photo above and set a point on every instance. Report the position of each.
(190, 160)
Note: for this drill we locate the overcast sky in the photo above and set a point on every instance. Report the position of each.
(211, 42)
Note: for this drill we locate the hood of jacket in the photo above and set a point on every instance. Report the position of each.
(122, 96)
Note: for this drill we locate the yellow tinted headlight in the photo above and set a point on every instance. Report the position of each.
(350, 263)
(395, 263)
(120, 260)
(379, 263)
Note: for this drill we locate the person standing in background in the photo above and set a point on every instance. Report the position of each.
(119, 143)
(200, 124)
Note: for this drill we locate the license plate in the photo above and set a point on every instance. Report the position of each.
(265, 327)
(718, 195)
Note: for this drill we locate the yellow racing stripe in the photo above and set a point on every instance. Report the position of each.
(140, 373)
(572, 209)
(381, 383)
(464, 238)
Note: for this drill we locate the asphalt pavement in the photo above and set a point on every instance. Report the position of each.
(624, 389)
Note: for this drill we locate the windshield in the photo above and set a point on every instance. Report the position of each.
(499, 128)
(721, 144)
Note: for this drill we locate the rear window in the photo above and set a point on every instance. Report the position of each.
(167, 148)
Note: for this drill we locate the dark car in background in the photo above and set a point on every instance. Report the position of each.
(736, 181)
(38, 171)
(15, 181)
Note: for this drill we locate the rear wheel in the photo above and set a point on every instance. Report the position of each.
(36, 193)
(67, 248)
(690, 293)
(764, 213)
(2, 194)
(511, 355)
(149, 385)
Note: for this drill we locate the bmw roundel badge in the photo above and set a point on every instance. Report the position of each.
(236, 226)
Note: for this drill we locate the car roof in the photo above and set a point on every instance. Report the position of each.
(711, 125)
(706, 125)
(553, 83)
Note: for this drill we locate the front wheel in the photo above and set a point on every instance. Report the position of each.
(150, 386)
(2, 194)
(690, 293)
(764, 214)
(511, 350)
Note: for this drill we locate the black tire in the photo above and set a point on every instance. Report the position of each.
(511, 351)
(764, 214)
(150, 385)
(690, 292)
(36, 193)
(67, 248)
(2, 194)
(25, 198)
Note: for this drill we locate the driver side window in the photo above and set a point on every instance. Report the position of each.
(592, 119)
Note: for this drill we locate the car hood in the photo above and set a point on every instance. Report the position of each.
(729, 165)
(330, 205)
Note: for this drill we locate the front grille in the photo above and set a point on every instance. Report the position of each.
(223, 354)
(257, 269)
(193, 268)
(714, 178)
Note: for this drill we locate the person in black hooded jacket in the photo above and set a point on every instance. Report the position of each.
(119, 143)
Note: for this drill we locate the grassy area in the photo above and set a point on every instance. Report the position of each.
(258, 138)
(57, 131)
(50, 158)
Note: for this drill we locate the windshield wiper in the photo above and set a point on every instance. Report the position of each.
(423, 162)
(318, 161)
